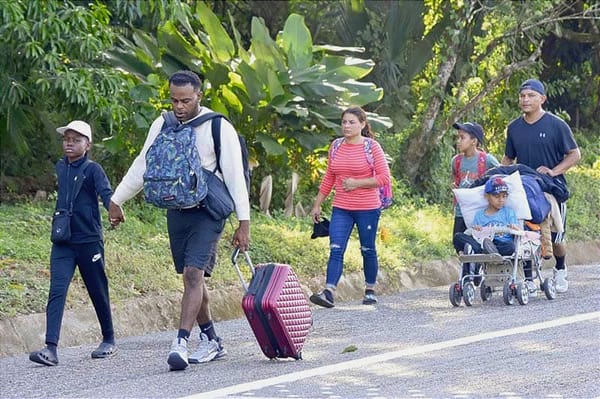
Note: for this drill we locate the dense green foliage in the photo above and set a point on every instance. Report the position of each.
(282, 71)
(52, 70)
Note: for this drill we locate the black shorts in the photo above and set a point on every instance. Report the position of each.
(193, 236)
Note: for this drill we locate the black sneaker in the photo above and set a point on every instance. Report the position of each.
(489, 247)
(324, 298)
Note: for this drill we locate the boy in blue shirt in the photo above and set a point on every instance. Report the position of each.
(496, 215)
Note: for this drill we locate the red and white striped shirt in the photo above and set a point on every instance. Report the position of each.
(351, 161)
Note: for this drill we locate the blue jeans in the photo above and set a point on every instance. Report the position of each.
(505, 248)
(340, 228)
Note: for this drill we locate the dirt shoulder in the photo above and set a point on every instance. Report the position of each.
(23, 334)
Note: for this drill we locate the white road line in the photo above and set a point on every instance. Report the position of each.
(365, 361)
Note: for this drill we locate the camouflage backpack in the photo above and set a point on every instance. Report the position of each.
(174, 177)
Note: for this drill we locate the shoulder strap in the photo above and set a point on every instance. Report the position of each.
(78, 182)
(336, 145)
(457, 163)
(216, 135)
(369, 152)
(481, 163)
(215, 131)
(206, 117)
(170, 120)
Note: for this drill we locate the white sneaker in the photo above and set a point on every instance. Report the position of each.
(178, 356)
(562, 285)
(531, 287)
(207, 350)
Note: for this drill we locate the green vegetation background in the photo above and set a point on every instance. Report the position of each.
(139, 264)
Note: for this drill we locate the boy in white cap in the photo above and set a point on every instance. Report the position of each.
(80, 183)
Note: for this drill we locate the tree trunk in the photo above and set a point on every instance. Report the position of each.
(423, 139)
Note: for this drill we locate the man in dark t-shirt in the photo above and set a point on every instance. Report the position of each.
(544, 142)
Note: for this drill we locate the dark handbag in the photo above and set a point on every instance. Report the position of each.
(218, 202)
(61, 226)
(321, 229)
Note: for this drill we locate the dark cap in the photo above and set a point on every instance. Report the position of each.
(533, 84)
(321, 229)
(474, 129)
(496, 185)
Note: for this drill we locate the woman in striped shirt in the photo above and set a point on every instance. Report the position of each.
(356, 201)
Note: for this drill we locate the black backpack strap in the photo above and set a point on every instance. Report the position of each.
(216, 132)
(170, 120)
(205, 117)
(216, 135)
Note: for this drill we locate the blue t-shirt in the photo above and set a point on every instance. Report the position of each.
(542, 143)
(502, 218)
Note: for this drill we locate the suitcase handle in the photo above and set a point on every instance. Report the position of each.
(234, 256)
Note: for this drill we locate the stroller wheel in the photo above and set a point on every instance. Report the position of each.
(485, 291)
(549, 287)
(455, 294)
(507, 293)
(469, 293)
(522, 294)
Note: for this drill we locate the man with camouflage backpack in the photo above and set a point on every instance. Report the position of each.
(193, 233)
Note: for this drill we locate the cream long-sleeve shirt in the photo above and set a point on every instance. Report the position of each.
(231, 164)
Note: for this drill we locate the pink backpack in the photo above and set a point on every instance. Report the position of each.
(385, 191)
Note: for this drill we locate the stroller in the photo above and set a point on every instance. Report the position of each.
(502, 271)
(493, 271)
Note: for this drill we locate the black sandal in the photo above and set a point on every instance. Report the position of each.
(104, 350)
(44, 356)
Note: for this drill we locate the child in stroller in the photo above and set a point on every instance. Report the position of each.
(495, 231)
(497, 214)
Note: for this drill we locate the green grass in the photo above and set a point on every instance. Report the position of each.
(139, 263)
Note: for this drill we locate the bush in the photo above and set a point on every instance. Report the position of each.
(583, 218)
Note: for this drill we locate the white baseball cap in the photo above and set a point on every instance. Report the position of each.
(80, 127)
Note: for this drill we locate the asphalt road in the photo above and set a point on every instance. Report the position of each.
(411, 345)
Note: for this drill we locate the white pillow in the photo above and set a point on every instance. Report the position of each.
(472, 200)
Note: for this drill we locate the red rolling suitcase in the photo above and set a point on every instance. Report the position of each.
(276, 308)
